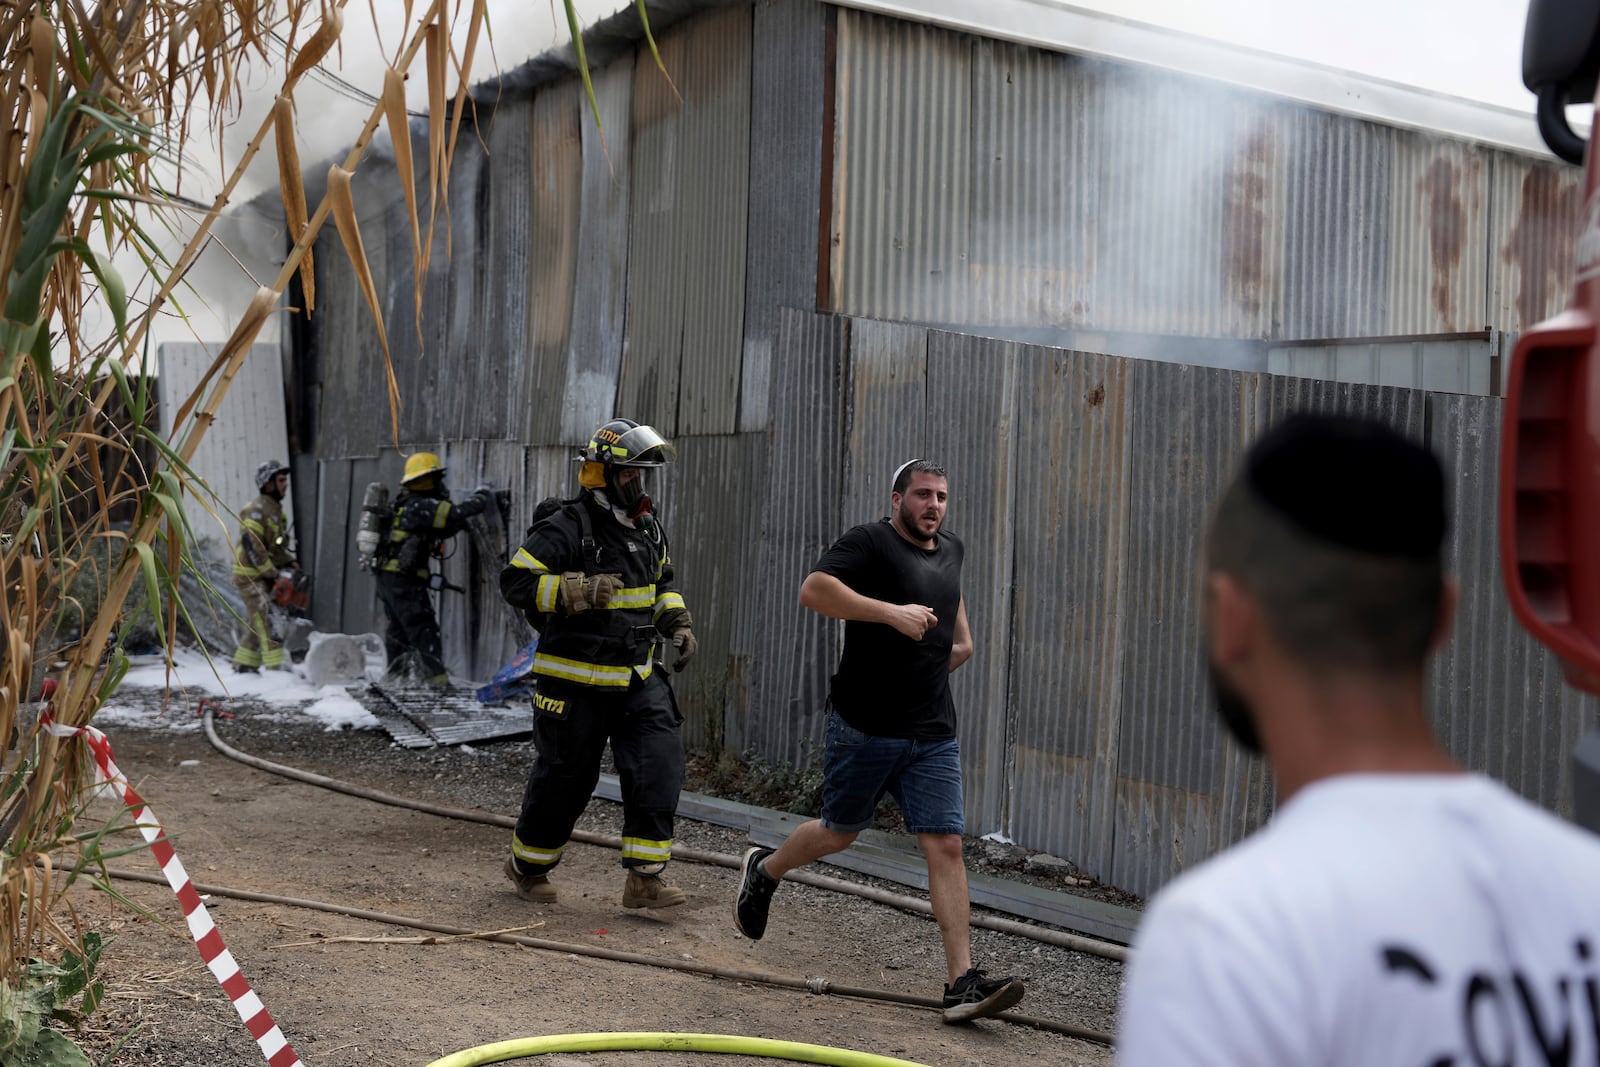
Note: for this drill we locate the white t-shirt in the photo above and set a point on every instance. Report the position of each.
(1377, 920)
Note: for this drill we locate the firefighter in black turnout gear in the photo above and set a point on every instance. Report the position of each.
(595, 578)
(424, 518)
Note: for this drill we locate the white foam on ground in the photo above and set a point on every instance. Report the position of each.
(191, 677)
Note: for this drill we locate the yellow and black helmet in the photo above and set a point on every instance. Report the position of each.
(625, 443)
(420, 465)
(615, 447)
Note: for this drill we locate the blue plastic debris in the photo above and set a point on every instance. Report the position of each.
(513, 680)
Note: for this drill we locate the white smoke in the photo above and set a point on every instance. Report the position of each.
(332, 104)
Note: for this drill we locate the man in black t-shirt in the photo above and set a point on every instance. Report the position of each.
(892, 724)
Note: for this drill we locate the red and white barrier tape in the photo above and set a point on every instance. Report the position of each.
(274, 1046)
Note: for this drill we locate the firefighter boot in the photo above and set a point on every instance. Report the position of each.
(649, 891)
(533, 887)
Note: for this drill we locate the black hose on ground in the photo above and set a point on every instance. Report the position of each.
(818, 986)
(1059, 938)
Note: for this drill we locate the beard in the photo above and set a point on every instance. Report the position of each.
(910, 519)
(1235, 712)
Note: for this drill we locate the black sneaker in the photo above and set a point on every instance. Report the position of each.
(973, 996)
(755, 894)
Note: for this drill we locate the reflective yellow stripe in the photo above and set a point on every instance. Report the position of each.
(245, 570)
(666, 601)
(526, 561)
(636, 597)
(441, 515)
(637, 848)
(253, 526)
(528, 854)
(601, 674)
(544, 598)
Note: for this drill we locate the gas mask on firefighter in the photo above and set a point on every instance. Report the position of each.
(617, 461)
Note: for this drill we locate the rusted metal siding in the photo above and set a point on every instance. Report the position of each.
(1070, 551)
(1439, 235)
(964, 171)
(1534, 212)
(794, 651)
(983, 183)
(902, 178)
(1190, 215)
(885, 416)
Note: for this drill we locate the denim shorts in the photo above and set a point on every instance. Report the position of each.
(924, 777)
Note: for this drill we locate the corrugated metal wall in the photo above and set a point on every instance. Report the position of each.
(654, 272)
(576, 275)
(1465, 363)
(1081, 485)
(792, 650)
(249, 430)
(979, 183)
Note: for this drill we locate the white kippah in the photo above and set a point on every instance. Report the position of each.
(896, 476)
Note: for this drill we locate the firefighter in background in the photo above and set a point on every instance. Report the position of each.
(595, 578)
(424, 518)
(261, 552)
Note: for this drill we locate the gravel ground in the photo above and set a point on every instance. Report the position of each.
(848, 939)
(491, 776)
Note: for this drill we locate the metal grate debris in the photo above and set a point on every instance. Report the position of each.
(425, 717)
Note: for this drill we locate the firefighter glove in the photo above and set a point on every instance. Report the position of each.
(683, 640)
(676, 623)
(580, 592)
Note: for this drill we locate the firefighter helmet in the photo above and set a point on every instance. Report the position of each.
(420, 465)
(268, 471)
(616, 446)
(625, 443)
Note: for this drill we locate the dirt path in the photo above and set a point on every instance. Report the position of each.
(342, 1004)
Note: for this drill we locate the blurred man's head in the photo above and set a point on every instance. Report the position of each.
(918, 499)
(1326, 553)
